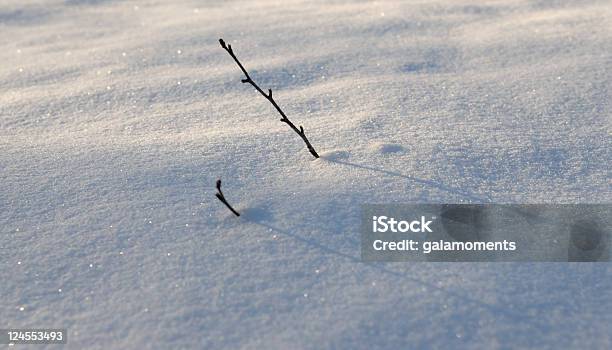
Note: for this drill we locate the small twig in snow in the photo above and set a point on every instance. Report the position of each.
(221, 197)
(269, 97)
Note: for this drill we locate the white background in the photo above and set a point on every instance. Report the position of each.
(117, 118)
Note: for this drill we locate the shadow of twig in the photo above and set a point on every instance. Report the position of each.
(418, 180)
(514, 316)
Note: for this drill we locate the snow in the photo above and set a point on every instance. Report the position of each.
(117, 118)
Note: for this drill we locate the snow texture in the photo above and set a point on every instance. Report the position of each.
(117, 118)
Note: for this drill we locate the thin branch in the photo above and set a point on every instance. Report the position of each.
(221, 197)
(269, 97)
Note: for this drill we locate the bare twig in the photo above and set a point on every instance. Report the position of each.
(269, 97)
(221, 197)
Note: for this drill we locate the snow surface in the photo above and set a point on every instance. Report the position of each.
(117, 117)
